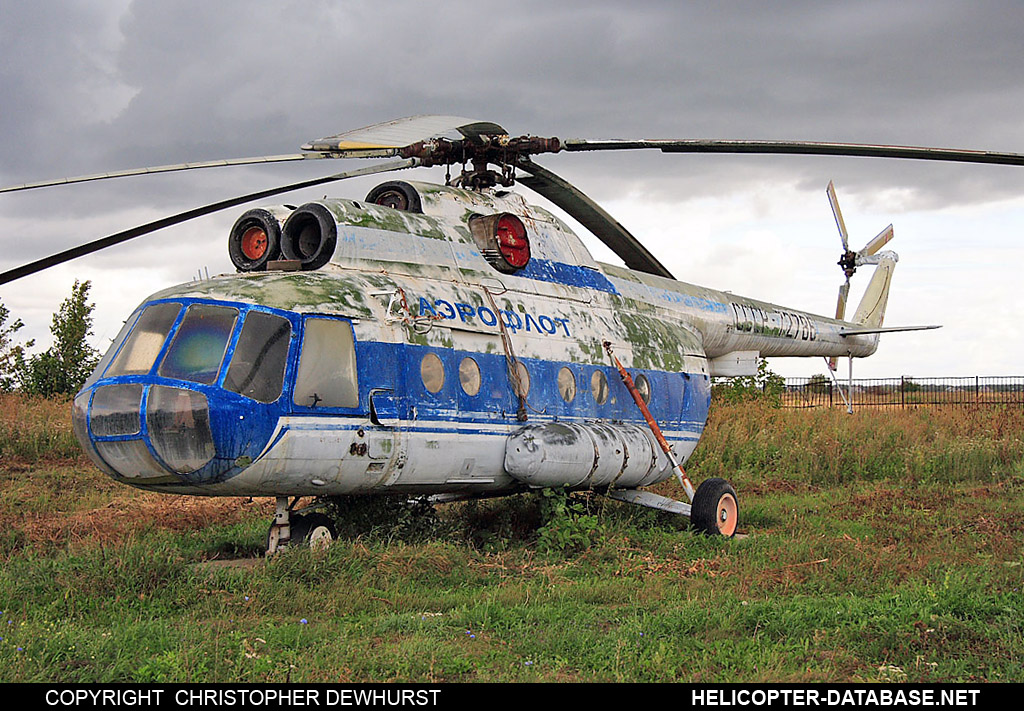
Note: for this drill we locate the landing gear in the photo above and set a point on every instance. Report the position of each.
(715, 508)
(310, 528)
(313, 529)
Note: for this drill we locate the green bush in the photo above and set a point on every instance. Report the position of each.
(765, 387)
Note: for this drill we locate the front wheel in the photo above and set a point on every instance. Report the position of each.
(715, 508)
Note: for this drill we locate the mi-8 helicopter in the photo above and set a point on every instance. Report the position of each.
(450, 341)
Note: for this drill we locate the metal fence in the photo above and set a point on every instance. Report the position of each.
(821, 391)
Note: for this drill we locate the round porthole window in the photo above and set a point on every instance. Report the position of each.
(599, 387)
(643, 386)
(432, 372)
(566, 384)
(469, 376)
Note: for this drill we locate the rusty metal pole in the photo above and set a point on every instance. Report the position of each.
(684, 480)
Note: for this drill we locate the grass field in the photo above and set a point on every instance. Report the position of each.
(882, 546)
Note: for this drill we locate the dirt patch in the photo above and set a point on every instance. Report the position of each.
(135, 512)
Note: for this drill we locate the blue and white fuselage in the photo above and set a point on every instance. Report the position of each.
(409, 364)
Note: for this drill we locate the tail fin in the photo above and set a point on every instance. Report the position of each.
(871, 310)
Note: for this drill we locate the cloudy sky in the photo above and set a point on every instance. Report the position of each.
(94, 86)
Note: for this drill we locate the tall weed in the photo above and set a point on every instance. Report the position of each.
(34, 428)
(824, 446)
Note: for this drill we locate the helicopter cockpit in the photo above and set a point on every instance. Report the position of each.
(191, 389)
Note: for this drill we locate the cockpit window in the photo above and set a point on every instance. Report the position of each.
(327, 366)
(114, 345)
(197, 349)
(146, 340)
(257, 367)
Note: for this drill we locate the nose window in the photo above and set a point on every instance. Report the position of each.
(115, 410)
(179, 427)
(197, 349)
(257, 367)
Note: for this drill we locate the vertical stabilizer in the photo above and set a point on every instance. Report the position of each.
(871, 310)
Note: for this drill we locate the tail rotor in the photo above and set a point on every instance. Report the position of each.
(850, 260)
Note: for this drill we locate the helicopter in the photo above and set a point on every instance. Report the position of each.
(446, 341)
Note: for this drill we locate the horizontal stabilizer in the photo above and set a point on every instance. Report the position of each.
(883, 329)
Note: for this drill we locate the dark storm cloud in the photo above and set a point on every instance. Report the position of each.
(91, 87)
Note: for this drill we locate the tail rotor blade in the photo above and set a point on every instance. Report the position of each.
(840, 223)
(844, 292)
(878, 242)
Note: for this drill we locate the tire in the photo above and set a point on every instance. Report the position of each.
(313, 530)
(715, 510)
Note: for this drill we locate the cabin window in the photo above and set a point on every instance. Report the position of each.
(327, 366)
(197, 349)
(147, 338)
(432, 373)
(469, 376)
(566, 384)
(643, 386)
(257, 367)
(599, 387)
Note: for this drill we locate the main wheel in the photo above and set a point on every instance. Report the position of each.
(715, 508)
(313, 529)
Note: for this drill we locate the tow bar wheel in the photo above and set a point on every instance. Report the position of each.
(715, 508)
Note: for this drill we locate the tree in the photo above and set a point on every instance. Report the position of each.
(818, 383)
(12, 356)
(64, 367)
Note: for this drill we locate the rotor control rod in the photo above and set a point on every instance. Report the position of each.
(684, 480)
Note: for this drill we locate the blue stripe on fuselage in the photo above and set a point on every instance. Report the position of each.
(568, 274)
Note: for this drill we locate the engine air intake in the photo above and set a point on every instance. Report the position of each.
(310, 235)
(255, 239)
(396, 194)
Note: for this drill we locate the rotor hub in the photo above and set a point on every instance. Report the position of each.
(848, 263)
(479, 153)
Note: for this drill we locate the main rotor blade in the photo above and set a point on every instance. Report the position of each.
(700, 145)
(840, 223)
(389, 136)
(589, 214)
(167, 169)
(109, 241)
(382, 140)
